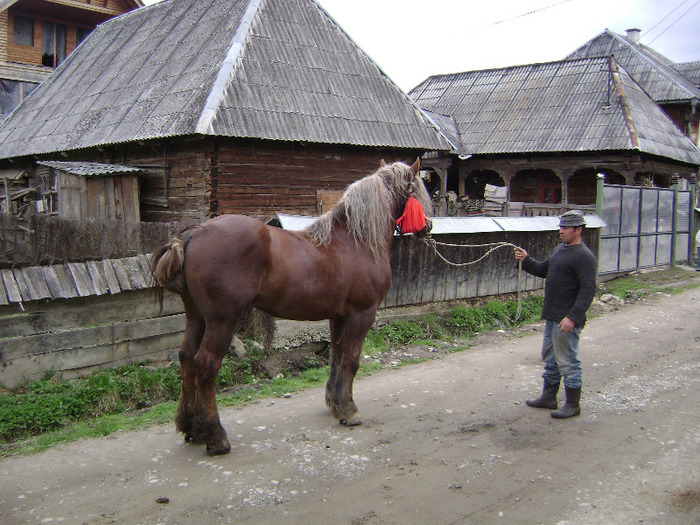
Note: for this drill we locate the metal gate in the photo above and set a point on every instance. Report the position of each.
(646, 227)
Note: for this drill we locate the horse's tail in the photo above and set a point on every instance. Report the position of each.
(167, 263)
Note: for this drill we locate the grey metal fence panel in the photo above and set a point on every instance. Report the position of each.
(608, 257)
(640, 228)
(629, 219)
(647, 253)
(650, 208)
(663, 249)
(665, 218)
(611, 209)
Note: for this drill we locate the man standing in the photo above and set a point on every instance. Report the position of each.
(570, 283)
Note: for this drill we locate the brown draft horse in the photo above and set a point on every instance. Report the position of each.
(336, 269)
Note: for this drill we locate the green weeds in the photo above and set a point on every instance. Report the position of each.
(670, 280)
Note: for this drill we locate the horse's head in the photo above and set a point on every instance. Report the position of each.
(413, 203)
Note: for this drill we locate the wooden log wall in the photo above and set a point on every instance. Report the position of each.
(193, 180)
(177, 185)
(75, 337)
(261, 179)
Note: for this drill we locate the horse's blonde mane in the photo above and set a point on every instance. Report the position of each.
(366, 208)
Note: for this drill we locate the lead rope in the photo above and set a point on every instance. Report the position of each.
(494, 246)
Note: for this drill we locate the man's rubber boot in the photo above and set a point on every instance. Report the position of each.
(572, 407)
(548, 399)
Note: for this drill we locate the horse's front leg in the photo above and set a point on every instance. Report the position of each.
(207, 363)
(194, 331)
(346, 348)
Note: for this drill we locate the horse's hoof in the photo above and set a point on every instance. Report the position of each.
(351, 421)
(219, 449)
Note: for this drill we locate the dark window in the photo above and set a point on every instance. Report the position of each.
(549, 189)
(23, 31)
(81, 34)
(53, 50)
(12, 92)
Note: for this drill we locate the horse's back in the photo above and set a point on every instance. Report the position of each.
(226, 260)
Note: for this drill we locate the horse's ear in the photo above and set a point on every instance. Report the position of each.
(416, 166)
(382, 163)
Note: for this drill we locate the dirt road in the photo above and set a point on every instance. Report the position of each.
(447, 441)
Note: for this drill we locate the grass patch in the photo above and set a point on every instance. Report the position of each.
(671, 280)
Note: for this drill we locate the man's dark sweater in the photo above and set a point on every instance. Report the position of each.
(570, 277)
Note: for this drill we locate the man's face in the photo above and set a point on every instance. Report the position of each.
(570, 234)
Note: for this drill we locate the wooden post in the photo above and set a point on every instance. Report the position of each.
(599, 195)
(692, 246)
(599, 202)
(674, 220)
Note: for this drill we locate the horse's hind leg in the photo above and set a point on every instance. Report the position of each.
(335, 360)
(207, 363)
(194, 331)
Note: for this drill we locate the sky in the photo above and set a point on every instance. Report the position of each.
(411, 40)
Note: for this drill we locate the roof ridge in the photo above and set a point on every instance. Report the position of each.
(514, 66)
(619, 89)
(227, 70)
(648, 57)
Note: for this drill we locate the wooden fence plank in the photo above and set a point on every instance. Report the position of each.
(22, 285)
(134, 272)
(97, 275)
(90, 337)
(110, 277)
(77, 362)
(83, 282)
(121, 274)
(65, 282)
(35, 277)
(69, 314)
(145, 262)
(11, 286)
(3, 294)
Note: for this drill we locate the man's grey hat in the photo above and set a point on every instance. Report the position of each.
(572, 218)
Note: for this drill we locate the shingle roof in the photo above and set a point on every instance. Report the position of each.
(271, 69)
(690, 70)
(89, 169)
(650, 69)
(565, 106)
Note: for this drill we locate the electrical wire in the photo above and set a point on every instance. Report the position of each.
(521, 16)
(674, 22)
(665, 17)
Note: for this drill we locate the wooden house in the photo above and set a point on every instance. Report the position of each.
(545, 132)
(37, 36)
(227, 106)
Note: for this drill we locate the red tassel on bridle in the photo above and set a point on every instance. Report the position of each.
(413, 218)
